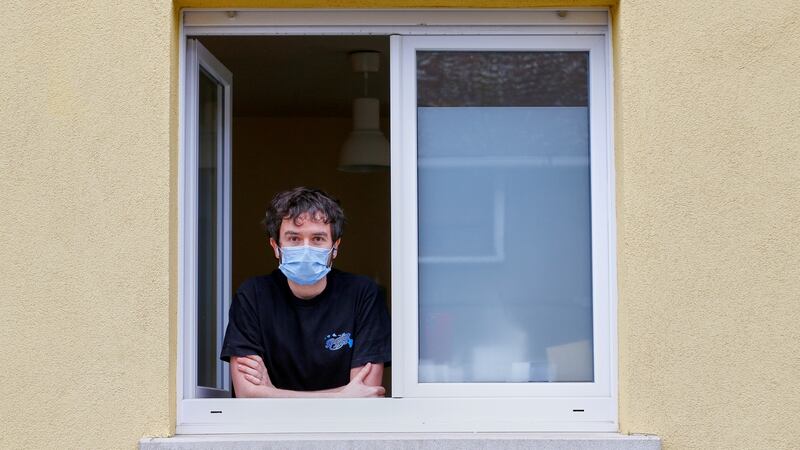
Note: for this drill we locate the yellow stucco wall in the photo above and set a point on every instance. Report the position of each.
(85, 240)
(708, 191)
(708, 196)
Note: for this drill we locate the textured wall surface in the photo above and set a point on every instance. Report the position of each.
(708, 190)
(708, 197)
(85, 194)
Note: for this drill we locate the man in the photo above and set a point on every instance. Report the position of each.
(307, 330)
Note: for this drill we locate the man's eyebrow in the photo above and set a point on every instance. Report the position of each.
(320, 233)
(290, 232)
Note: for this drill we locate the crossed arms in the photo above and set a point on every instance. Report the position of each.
(250, 379)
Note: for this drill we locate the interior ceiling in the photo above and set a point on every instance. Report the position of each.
(299, 75)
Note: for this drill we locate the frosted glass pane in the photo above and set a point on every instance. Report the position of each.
(502, 78)
(505, 287)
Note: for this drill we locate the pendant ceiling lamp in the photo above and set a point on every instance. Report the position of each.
(366, 148)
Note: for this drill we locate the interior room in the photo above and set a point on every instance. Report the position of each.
(293, 111)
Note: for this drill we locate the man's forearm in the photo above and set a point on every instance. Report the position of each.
(251, 380)
(260, 391)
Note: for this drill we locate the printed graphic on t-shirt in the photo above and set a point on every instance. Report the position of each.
(335, 341)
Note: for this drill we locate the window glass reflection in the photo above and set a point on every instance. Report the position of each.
(207, 278)
(505, 289)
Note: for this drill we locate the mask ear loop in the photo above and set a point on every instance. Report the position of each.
(334, 250)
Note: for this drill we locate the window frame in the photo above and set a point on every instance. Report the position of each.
(198, 57)
(405, 233)
(427, 411)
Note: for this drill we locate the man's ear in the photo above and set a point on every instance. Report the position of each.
(336, 248)
(275, 248)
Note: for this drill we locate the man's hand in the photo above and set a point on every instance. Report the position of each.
(357, 387)
(254, 370)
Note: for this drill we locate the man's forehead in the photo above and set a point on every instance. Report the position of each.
(305, 222)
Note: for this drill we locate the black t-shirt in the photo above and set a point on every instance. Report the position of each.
(309, 345)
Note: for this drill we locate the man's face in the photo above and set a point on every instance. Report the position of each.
(305, 230)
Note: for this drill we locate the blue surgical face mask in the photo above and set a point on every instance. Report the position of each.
(305, 265)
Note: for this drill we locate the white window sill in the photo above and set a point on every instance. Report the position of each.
(417, 441)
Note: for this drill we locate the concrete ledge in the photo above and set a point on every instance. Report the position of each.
(407, 441)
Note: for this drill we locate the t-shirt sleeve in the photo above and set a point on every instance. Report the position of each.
(242, 337)
(372, 340)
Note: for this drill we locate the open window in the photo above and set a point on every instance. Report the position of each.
(206, 224)
(492, 234)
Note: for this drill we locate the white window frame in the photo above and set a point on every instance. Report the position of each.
(405, 253)
(197, 58)
(590, 407)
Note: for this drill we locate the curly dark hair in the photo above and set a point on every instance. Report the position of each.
(295, 202)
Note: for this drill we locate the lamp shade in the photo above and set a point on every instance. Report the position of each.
(366, 148)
